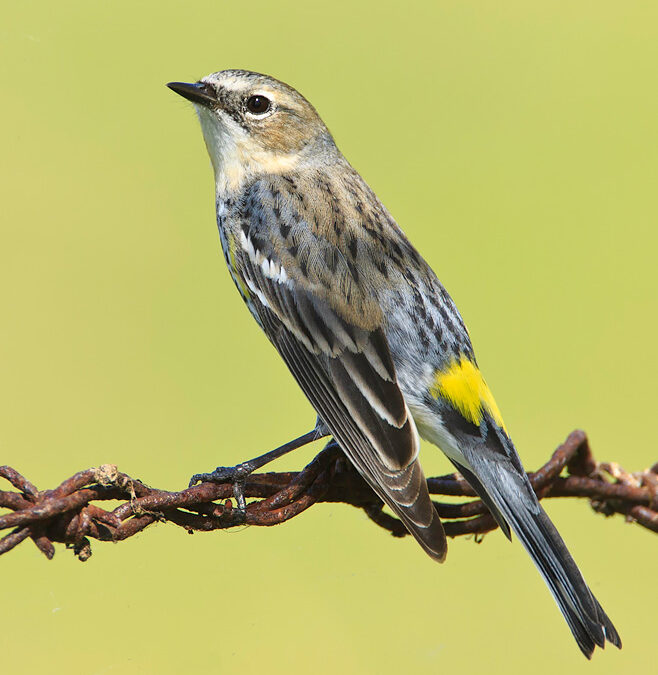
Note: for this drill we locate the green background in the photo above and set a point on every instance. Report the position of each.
(516, 144)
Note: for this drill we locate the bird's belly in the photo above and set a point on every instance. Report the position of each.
(430, 426)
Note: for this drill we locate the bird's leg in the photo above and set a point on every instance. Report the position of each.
(238, 474)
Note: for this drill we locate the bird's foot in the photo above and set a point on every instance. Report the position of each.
(237, 475)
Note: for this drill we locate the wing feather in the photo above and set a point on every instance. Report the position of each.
(347, 374)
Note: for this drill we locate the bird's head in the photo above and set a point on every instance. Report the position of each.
(254, 124)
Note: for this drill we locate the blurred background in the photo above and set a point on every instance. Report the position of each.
(516, 144)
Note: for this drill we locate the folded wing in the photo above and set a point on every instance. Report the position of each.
(345, 369)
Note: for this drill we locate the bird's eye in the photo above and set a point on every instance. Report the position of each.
(258, 105)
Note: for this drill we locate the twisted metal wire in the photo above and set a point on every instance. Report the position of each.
(70, 513)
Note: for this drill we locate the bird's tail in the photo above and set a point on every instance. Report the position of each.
(510, 497)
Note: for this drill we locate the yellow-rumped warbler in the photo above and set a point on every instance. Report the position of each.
(364, 325)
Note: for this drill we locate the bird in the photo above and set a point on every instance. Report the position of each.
(365, 327)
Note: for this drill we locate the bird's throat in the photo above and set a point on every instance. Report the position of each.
(236, 158)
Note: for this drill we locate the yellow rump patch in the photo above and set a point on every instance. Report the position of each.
(463, 386)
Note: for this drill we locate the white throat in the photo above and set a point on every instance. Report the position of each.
(234, 159)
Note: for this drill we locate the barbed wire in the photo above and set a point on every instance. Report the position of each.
(69, 514)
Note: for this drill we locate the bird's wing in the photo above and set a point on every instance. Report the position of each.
(342, 362)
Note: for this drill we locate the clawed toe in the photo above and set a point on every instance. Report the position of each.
(237, 475)
(222, 474)
(227, 474)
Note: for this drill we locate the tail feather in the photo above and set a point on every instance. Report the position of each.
(582, 612)
(500, 481)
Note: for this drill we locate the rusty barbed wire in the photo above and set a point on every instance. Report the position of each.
(69, 515)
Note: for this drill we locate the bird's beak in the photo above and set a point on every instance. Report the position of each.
(199, 92)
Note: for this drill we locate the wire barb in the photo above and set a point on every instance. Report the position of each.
(69, 514)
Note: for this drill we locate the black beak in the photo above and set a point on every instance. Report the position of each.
(200, 93)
